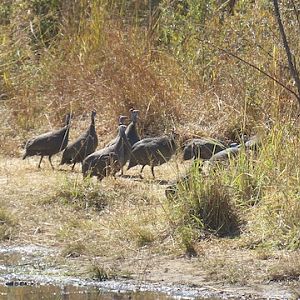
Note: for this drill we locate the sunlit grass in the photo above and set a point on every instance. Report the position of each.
(111, 56)
(8, 225)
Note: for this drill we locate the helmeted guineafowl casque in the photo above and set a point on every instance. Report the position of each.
(83, 146)
(49, 143)
(201, 148)
(107, 161)
(131, 130)
(153, 152)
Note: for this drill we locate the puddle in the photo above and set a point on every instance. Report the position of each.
(27, 273)
(51, 292)
(73, 288)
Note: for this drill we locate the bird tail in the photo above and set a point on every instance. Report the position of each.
(85, 169)
(131, 164)
(64, 160)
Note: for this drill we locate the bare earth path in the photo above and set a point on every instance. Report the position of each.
(54, 224)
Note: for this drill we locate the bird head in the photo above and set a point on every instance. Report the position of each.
(122, 120)
(68, 119)
(134, 115)
(93, 114)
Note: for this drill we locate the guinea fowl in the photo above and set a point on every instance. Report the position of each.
(131, 130)
(226, 154)
(201, 148)
(121, 122)
(153, 152)
(109, 160)
(252, 143)
(83, 146)
(127, 149)
(49, 143)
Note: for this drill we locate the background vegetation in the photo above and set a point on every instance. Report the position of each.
(165, 58)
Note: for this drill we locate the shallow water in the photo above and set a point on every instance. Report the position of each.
(20, 290)
(26, 272)
(24, 291)
(51, 292)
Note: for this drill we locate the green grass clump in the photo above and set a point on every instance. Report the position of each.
(255, 193)
(82, 194)
(143, 237)
(74, 249)
(7, 225)
(206, 204)
(100, 272)
(286, 269)
(275, 219)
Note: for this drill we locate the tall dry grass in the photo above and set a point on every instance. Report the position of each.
(254, 195)
(164, 58)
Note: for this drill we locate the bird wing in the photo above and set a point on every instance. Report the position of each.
(42, 141)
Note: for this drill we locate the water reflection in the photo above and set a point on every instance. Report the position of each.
(51, 292)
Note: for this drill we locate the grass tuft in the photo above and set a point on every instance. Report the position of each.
(100, 273)
(286, 269)
(220, 269)
(74, 249)
(206, 204)
(7, 225)
(82, 194)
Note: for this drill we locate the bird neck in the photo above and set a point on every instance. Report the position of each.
(68, 120)
(93, 122)
(131, 125)
(121, 141)
(67, 130)
(173, 140)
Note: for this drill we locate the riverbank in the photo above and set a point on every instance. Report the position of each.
(33, 266)
(54, 225)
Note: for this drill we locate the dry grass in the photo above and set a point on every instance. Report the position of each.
(96, 56)
(111, 62)
(287, 268)
(134, 234)
(67, 210)
(224, 271)
(8, 225)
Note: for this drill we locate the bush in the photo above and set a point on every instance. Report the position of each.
(206, 203)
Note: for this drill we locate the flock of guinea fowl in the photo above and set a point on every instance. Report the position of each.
(125, 147)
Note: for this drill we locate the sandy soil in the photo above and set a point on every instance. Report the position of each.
(221, 266)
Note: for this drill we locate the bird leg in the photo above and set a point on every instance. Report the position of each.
(51, 162)
(100, 177)
(152, 171)
(39, 165)
(73, 166)
(142, 171)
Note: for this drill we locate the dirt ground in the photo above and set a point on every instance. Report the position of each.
(130, 238)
